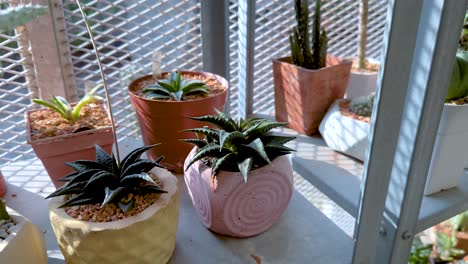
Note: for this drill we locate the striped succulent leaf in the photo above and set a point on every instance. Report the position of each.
(240, 145)
(104, 181)
(175, 88)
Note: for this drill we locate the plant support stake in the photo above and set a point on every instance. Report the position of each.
(91, 36)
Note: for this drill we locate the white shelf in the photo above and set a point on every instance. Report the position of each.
(339, 177)
(302, 235)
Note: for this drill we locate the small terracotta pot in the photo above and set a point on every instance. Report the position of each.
(162, 121)
(55, 151)
(236, 208)
(3, 185)
(303, 96)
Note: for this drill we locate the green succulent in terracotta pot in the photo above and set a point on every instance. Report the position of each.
(175, 87)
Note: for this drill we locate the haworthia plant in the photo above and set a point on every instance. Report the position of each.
(63, 107)
(104, 181)
(175, 87)
(301, 52)
(238, 145)
(13, 17)
(362, 106)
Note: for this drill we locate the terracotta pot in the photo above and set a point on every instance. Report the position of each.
(3, 185)
(303, 96)
(237, 208)
(55, 151)
(162, 121)
(25, 244)
(148, 237)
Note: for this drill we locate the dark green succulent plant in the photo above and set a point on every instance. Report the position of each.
(105, 181)
(237, 146)
(175, 87)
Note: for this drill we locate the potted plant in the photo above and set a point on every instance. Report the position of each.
(112, 210)
(109, 209)
(20, 240)
(164, 103)
(345, 127)
(309, 81)
(349, 133)
(3, 185)
(364, 71)
(61, 133)
(444, 250)
(238, 176)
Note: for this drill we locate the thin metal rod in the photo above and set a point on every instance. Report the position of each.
(103, 77)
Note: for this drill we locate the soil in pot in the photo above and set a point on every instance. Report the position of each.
(344, 110)
(161, 121)
(369, 67)
(56, 140)
(45, 123)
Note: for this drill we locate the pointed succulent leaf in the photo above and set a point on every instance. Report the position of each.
(278, 140)
(227, 118)
(220, 162)
(84, 176)
(218, 121)
(262, 128)
(102, 157)
(200, 143)
(278, 147)
(128, 179)
(244, 167)
(156, 89)
(69, 177)
(259, 148)
(211, 149)
(200, 90)
(135, 155)
(151, 189)
(177, 95)
(98, 178)
(67, 189)
(152, 95)
(165, 85)
(111, 195)
(208, 132)
(82, 165)
(192, 84)
(140, 166)
(226, 138)
(126, 207)
(79, 199)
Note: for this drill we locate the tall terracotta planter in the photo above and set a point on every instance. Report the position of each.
(236, 208)
(55, 151)
(303, 96)
(162, 121)
(148, 237)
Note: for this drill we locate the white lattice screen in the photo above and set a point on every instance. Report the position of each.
(129, 31)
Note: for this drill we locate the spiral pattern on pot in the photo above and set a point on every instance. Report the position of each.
(197, 191)
(253, 207)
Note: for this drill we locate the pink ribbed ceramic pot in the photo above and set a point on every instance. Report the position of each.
(236, 208)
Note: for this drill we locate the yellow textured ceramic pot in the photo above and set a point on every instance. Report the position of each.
(148, 237)
(25, 244)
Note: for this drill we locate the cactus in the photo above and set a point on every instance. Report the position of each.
(463, 43)
(3, 212)
(299, 40)
(362, 106)
(13, 17)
